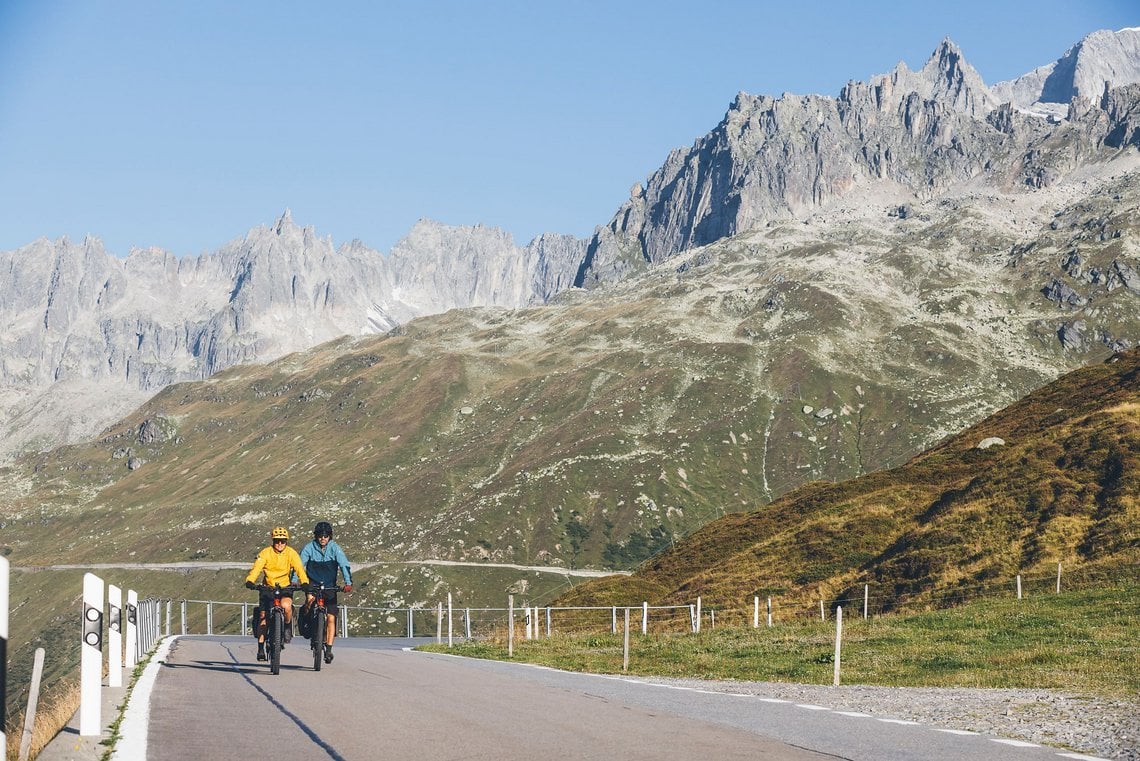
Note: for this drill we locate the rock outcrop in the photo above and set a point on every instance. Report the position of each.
(907, 135)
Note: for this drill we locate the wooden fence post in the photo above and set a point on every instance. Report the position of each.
(33, 701)
(625, 647)
(4, 604)
(838, 641)
(756, 612)
(1058, 578)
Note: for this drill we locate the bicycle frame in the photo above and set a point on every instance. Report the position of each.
(319, 612)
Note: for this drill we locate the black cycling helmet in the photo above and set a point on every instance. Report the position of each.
(324, 528)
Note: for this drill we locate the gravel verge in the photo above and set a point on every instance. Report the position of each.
(1096, 726)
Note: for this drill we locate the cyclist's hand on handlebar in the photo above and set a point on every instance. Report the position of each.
(347, 588)
(250, 585)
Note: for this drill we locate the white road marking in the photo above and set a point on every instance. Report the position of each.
(136, 719)
(1014, 743)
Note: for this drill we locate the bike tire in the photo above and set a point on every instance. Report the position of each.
(317, 637)
(276, 635)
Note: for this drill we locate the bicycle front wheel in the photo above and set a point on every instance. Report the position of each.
(276, 637)
(317, 637)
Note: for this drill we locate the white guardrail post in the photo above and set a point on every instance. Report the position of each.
(114, 636)
(132, 656)
(91, 658)
(3, 646)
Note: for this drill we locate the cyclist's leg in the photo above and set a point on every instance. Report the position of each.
(330, 627)
(262, 624)
(334, 610)
(303, 621)
(287, 608)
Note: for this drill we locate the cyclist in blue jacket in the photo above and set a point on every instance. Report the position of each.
(322, 558)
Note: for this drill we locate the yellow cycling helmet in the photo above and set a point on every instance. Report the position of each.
(279, 532)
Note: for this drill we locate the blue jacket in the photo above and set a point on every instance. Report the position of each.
(321, 563)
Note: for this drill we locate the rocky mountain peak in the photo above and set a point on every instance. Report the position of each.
(284, 223)
(1102, 60)
(947, 77)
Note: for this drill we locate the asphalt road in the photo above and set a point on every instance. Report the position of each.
(213, 700)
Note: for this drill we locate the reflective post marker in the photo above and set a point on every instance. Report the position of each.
(132, 657)
(114, 636)
(91, 658)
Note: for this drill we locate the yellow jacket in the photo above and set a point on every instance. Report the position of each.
(277, 566)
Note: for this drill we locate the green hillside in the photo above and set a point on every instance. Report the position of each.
(1061, 486)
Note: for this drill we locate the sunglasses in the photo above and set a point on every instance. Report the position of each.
(280, 541)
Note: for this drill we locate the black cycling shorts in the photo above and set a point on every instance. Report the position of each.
(330, 600)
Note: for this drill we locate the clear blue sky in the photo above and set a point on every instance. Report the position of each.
(184, 124)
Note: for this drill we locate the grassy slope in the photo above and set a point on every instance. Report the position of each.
(1080, 642)
(1064, 488)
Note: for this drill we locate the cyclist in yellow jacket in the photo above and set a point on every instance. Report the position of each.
(276, 561)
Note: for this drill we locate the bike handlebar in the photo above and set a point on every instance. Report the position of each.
(282, 590)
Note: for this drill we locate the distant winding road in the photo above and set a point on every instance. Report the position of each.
(190, 565)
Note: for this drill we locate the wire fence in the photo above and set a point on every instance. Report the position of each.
(446, 621)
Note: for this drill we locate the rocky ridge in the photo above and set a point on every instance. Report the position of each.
(907, 135)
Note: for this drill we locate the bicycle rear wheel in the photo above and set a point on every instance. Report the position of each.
(276, 635)
(317, 636)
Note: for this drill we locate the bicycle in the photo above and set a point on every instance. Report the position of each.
(318, 622)
(275, 624)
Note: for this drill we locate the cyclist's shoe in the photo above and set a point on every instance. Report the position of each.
(288, 635)
(261, 656)
(328, 654)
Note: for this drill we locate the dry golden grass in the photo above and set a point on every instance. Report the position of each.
(54, 711)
